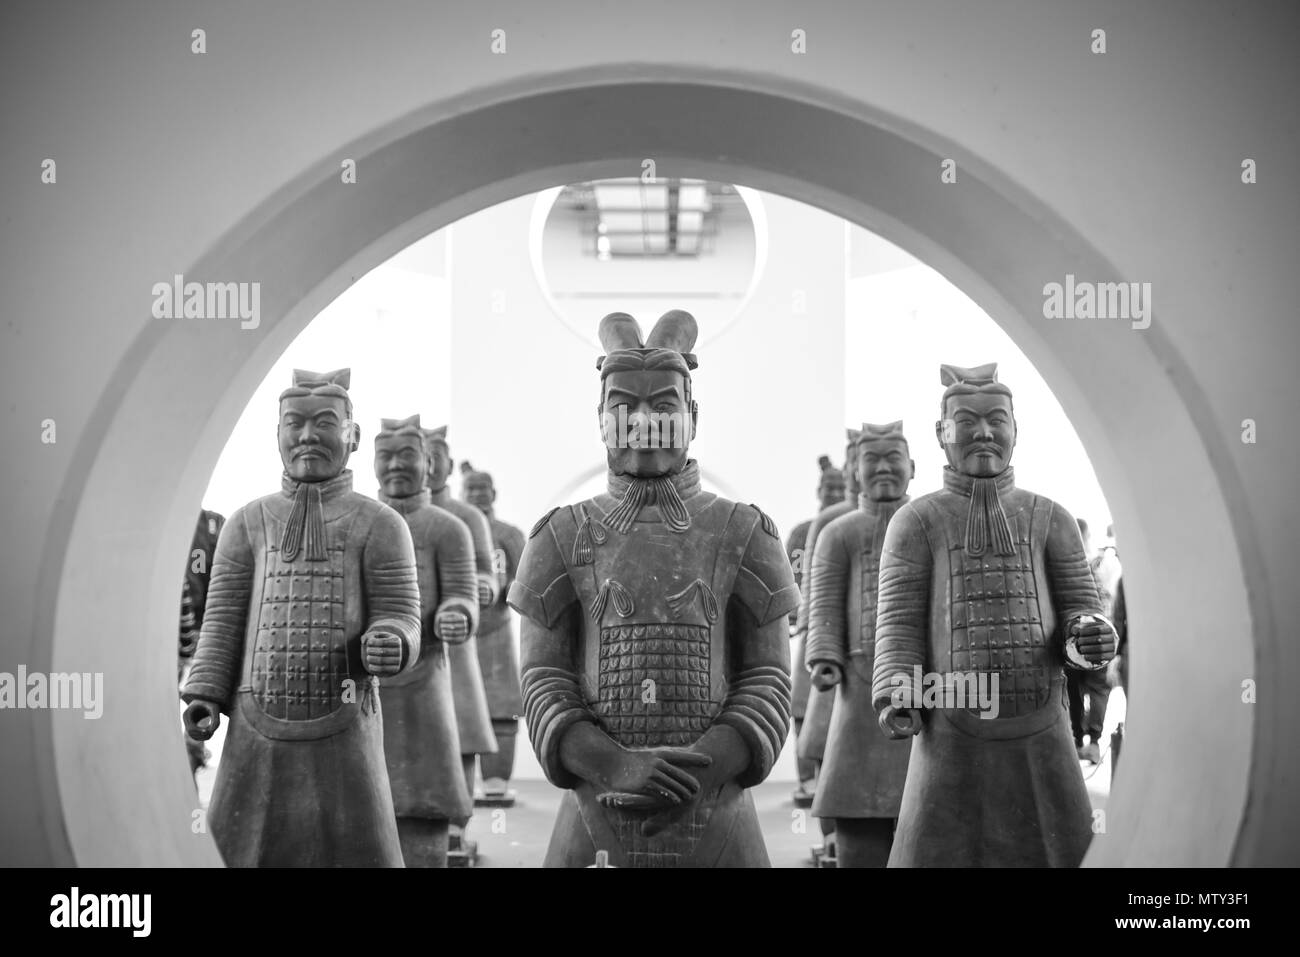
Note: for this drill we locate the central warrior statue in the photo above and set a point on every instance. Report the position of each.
(986, 585)
(656, 673)
(420, 740)
(313, 594)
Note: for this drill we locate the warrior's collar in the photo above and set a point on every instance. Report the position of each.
(329, 489)
(305, 528)
(986, 520)
(407, 504)
(963, 484)
(668, 492)
(881, 509)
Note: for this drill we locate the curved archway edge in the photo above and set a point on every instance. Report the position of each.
(310, 241)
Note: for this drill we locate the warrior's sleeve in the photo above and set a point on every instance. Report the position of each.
(543, 594)
(757, 705)
(1074, 590)
(392, 589)
(219, 655)
(903, 604)
(481, 532)
(828, 625)
(457, 590)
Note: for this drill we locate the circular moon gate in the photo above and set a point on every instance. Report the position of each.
(117, 790)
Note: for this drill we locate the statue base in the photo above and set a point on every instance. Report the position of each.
(823, 855)
(460, 852)
(504, 798)
(802, 796)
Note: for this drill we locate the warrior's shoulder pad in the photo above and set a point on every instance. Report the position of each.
(541, 522)
(765, 522)
(765, 582)
(542, 588)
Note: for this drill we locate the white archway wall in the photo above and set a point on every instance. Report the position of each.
(972, 74)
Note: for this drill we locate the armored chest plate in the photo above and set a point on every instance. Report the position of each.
(997, 625)
(300, 657)
(653, 686)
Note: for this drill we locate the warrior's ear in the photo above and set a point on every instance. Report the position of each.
(619, 331)
(355, 442)
(675, 330)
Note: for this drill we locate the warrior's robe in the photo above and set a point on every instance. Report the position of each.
(811, 744)
(420, 737)
(862, 770)
(467, 690)
(992, 792)
(498, 654)
(302, 779)
(654, 635)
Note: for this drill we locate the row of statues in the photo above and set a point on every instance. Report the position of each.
(654, 674)
(341, 639)
(981, 591)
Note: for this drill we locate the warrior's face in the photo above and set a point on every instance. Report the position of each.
(400, 465)
(478, 491)
(884, 469)
(315, 436)
(646, 422)
(978, 433)
(440, 464)
(831, 489)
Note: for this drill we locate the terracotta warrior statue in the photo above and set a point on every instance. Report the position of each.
(313, 595)
(656, 669)
(862, 774)
(810, 741)
(420, 736)
(985, 587)
(467, 690)
(498, 652)
(830, 491)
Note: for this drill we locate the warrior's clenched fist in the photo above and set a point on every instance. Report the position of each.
(381, 653)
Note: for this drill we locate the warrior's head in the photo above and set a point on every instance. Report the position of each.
(316, 432)
(440, 460)
(883, 462)
(477, 488)
(830, 489)
(401, 461)
(850, 470)
(977, 428)
(647, 415)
